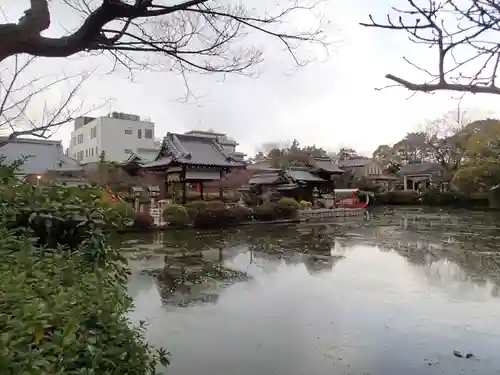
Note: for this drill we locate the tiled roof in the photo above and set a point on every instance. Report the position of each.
(262, 166)
(302, 174)
(420, 168)
(266, 179)
(163, 162)
(353, 163)
(196, 150)
(326, 164)
(42, 155)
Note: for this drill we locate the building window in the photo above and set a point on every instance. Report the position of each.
(96, 151)
(73, 141)
(139, 133)
(80, 139)
(148, 133)
(86, 152)
(128, 131)
(92, 151)
(93, 132)
(128, 151)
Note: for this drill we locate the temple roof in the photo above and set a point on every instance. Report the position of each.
(303, 174)
(193, 150)
(266, 179)
(326, 164)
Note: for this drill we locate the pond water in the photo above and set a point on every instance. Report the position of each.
(397, 292)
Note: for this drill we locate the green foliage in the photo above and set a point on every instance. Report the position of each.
(64, 301)
(216, 215)
(305, 204)
(287, 208)
(241, 213)
(477, 178)
(194, 207)
(407, 197)
(62, 316)
(265, 212)
(143, 220)
(432, 197)
(176, 215)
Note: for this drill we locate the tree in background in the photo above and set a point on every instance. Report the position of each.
(384, 154)
(464, 36)
(289, 156)
(347, 153)
(24, 107)
(200, 35)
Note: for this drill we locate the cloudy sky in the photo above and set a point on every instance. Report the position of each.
(331, 103)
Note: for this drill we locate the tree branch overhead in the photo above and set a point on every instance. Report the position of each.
(464, 36)
(201, 35)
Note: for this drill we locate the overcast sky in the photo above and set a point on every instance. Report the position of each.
(330, 103)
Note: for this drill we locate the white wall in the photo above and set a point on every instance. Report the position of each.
(112, 137)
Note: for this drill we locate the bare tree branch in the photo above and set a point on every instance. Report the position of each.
(200, 35)
(21, 95)
(464, 35)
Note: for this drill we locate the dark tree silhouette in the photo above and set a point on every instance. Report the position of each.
(202, 35)
(464, 35)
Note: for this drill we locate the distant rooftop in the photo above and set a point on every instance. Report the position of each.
(205, 132)
(42, 155)
(84, 120)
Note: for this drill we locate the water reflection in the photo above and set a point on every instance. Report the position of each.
(398, 292)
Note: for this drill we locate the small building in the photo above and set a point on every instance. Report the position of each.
(419, 175)
(191, 159)
(45, 161)
(364, 171)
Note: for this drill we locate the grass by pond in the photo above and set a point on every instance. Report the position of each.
(397, 292)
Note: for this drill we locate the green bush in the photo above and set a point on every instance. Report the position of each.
(143, 220)
(241, 213)
(287, 208)
(432, 197)
(176, 215)
(265, 212)
(62, 316)
(398, 197)
(216, 215)
(64, 303)
(194, 207)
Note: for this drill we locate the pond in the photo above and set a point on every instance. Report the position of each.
(411, 292)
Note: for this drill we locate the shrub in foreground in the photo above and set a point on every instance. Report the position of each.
(62, 316)
(63, 306)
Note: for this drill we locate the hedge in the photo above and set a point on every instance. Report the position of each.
(431, 198)
(214, 214)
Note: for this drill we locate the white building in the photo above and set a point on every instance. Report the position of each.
(118, 135)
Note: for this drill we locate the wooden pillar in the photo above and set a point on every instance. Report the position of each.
(202, 195)
(184, 185)
(165, 181)
(221, 190)
(405, 183)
